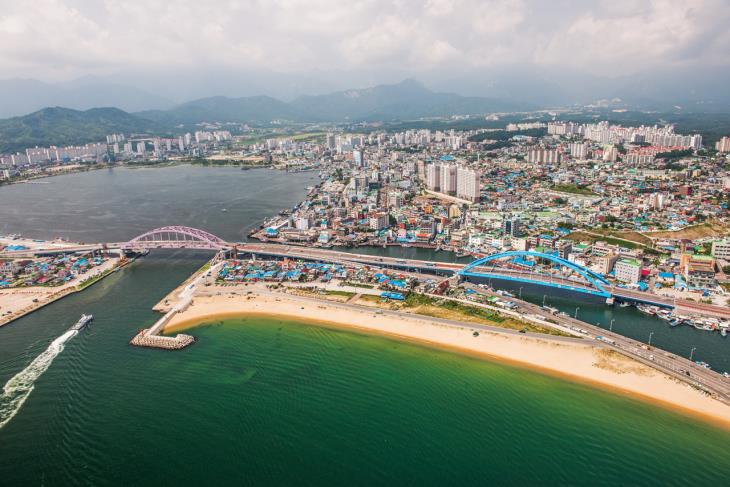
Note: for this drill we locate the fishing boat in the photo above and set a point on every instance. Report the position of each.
(664, 314)
(646, 309)
(704, 325)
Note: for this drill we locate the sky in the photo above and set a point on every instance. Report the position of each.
(65, 39)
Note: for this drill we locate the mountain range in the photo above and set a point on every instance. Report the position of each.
(64, 126)
(22, 96)
(140, 111)
(694, 88)
(406, 100)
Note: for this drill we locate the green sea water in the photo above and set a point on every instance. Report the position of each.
(268, 402)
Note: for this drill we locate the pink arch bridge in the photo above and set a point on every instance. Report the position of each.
(176, 237)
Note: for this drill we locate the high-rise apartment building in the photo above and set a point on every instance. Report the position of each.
(467, 184)
(448, 179)
(723, 145)
(433, 177)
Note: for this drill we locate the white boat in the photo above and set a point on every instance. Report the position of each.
(83, 321)
(646, 309)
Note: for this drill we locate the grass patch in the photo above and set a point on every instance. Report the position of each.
(451, 310)
(582, 236)
(371, 298)
(625, 235)
(346, 294)
(358, 284)
(573, 189)
(88, 282)
(693, 232)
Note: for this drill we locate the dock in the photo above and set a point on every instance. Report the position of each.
(151, 337)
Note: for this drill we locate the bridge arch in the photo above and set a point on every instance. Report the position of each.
(596, 282)
(176, 237)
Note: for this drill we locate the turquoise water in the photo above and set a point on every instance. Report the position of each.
(270, 402)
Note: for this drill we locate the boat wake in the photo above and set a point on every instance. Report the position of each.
(17, 389)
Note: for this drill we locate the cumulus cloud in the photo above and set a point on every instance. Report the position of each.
(67, 38)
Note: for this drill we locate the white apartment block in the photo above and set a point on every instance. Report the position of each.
(433, 177)
(721, 249)
(467, 184)
(627, 270)
(448, 178)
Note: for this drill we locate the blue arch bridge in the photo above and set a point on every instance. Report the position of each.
(581, 279)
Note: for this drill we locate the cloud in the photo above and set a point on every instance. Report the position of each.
(67, 38)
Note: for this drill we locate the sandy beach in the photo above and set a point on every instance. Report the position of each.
(574, 359)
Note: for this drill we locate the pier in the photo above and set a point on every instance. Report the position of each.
(151, 337)
(145, 339)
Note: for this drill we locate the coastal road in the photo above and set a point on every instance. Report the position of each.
(309, 252)
(674, 365)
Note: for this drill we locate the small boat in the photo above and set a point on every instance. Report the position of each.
(675, 322)
(664, 315)
(624, 304)
(224, 210)
(83, 321)
(646, 309)
(723, 332)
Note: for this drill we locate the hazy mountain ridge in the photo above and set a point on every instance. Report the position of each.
(405, 100)
(64, 126)
(224, 109)
(22, 96)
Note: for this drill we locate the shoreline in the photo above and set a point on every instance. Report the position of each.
(50, 298)
(574, 360)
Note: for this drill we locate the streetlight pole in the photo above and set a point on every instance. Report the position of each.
(691, 353)
(544, 296)
(610, 328)
(576, 312)
(650, 335)
(520, 292)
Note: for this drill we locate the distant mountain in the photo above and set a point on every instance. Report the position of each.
(64, 126)
(224, 109)
(22, 96)
(406, 100)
